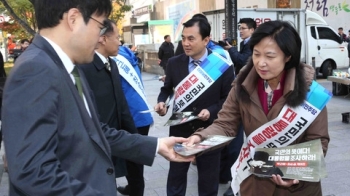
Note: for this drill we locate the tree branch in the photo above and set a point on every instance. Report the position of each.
(16, 18)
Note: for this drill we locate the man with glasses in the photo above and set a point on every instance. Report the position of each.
(104, 80)
(55, 144)
(239, 58)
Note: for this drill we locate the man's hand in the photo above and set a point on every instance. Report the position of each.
(159, 61)
(228, 46)
(160, 108)
(286, 183)
(204, 115)
(166, 149)
(193, 139)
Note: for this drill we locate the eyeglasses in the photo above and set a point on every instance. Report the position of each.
(242, 28)
(103, 29)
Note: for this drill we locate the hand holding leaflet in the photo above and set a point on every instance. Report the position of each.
(210, 143)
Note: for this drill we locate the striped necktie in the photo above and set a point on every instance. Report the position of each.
(108, 66)
(195, 63)
(75, 73)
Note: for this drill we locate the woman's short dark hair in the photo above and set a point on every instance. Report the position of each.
(286, 37)
(204, 26)
(48, 13)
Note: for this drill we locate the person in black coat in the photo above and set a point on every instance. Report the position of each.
(179, 49)
(104, 80)
(206, 106)
(166, 51)
(239, 58)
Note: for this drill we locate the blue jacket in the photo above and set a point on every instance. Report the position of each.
(135, 102)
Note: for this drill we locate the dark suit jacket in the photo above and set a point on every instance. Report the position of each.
(179, 49)
(110, 101)
(166, 51)
(240, 58)
(53, 146)
(112, 107)
(212, 99)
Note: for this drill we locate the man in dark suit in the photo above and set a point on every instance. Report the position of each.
(195, 37)
(104, 79)
(55, 144)
(239, 58)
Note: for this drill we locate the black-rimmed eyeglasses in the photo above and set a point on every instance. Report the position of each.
(103, 29)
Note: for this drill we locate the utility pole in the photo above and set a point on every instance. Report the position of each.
(231, 19)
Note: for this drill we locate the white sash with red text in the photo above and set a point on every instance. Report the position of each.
(199, 80)
(279, 132)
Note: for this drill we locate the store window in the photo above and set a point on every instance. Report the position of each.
(283, 3)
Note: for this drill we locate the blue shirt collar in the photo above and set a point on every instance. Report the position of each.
(246, 40)
(202, 58)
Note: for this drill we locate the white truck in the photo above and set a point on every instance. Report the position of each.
(319, 41)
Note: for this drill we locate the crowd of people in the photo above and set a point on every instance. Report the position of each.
(76, 119)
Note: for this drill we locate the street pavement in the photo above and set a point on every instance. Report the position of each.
(337, 160)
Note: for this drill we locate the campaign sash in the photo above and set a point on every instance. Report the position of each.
(127, 71)
(199, 80)
(280, 132)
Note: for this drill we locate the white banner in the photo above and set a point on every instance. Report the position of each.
(127, 71)
(280, 132)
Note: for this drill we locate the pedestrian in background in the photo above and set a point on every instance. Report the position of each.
(165, 52)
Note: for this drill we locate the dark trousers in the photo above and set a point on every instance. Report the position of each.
(136, 183)
(229, 155)
(208, 175)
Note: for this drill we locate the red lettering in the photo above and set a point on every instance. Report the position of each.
(289, 115)
(193, 79)
(187, 85)
(280, 125)
(269, 132)
(259, 139)
(259, 21)
(244, 153)
(181, 90)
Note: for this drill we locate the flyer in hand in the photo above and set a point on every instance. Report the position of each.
(210, 143)
(180, 117)
(304, 161)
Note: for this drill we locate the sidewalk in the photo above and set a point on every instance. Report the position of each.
(337, 159)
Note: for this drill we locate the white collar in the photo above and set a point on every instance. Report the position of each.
(67, 62)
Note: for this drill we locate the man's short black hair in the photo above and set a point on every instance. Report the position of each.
(166, 37)
(204, 26)
(48, 13)
(249, 22)
(109, 24)
(200, 16)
